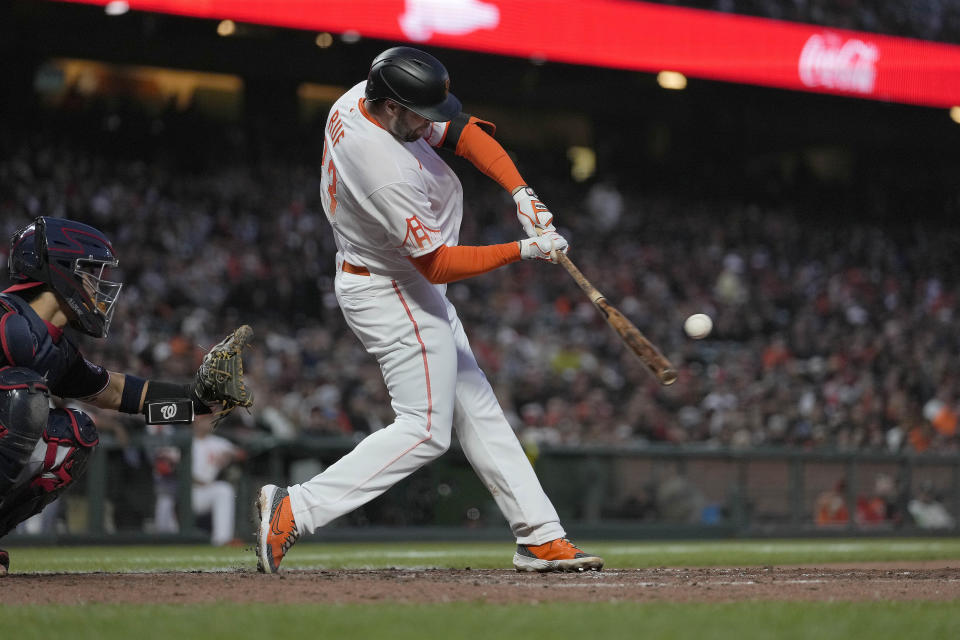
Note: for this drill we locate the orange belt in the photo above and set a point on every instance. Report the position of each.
(355, 270)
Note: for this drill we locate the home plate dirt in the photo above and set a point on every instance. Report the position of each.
(913, 581)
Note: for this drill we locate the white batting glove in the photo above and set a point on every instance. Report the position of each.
(542, 247)
(532, 214)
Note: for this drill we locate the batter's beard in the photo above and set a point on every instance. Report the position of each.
(408, 135)
(413, 136)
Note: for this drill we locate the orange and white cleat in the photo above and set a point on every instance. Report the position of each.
(277, 531)
(556, 555)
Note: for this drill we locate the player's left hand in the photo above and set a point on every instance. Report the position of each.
(533, 215)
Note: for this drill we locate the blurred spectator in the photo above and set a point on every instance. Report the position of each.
(881, 505)
(165, 460)
(213, 495)
(927, 511)
(830, 507)
(679, 501)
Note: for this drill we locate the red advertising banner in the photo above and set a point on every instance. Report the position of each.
(627, 35)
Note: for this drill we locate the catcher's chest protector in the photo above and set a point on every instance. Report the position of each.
(28, 334)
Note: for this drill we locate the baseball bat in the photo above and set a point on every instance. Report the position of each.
(656, 362)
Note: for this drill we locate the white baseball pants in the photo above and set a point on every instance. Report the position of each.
(219, 499)
(435, 386)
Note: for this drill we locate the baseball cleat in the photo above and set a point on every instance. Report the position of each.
(556, 555)
(4, 562)
(277, 530)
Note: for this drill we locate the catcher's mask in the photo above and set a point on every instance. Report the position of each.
(414, 79)
(75, 260)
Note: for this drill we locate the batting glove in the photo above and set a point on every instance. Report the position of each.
(532, 214)
(543, 247)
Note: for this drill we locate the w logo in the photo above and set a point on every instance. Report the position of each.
(168, 411)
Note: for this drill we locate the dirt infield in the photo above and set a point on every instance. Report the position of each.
(915, 581)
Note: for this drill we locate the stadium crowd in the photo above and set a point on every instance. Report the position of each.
(828, 334)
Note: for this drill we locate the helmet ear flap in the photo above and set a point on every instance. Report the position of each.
(28, 248)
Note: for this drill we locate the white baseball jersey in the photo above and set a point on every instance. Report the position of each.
(210, 455)
(384, 198)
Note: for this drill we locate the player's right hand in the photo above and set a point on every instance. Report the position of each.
(543, 247)
(533, 215)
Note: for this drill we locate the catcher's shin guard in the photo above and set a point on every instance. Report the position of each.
(59, 458)
(24, 407)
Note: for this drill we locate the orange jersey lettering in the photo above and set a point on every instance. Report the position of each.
(335, 128)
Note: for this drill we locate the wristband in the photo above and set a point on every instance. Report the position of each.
(130, 397)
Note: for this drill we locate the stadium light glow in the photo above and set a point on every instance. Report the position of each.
(583, 162)
(955, 114)
(116, 8)
(672, 80)
(324, 40)
(226, 28)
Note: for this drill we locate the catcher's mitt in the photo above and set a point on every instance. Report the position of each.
(220, 376)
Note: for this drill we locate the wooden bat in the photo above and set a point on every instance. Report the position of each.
(638, 343)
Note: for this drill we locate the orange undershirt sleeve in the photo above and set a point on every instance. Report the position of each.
(486, 154)
(448, 264)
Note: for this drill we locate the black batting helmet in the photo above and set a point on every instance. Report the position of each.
(73, 259)
(415, 80)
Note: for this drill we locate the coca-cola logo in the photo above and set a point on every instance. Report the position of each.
(830, 61)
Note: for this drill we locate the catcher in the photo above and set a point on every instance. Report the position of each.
(59, 270)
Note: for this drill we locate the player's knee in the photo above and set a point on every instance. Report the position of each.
(72, 426)
(68, 443)
(441, 441)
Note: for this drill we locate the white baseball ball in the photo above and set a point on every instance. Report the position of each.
(698, 326)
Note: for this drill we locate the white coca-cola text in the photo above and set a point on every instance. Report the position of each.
(830, 61)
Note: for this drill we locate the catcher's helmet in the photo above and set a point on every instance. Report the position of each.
(72, 258)
(415, 80)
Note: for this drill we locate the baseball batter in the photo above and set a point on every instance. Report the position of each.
(396, 208)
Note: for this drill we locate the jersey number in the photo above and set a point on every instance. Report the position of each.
(332, 187)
